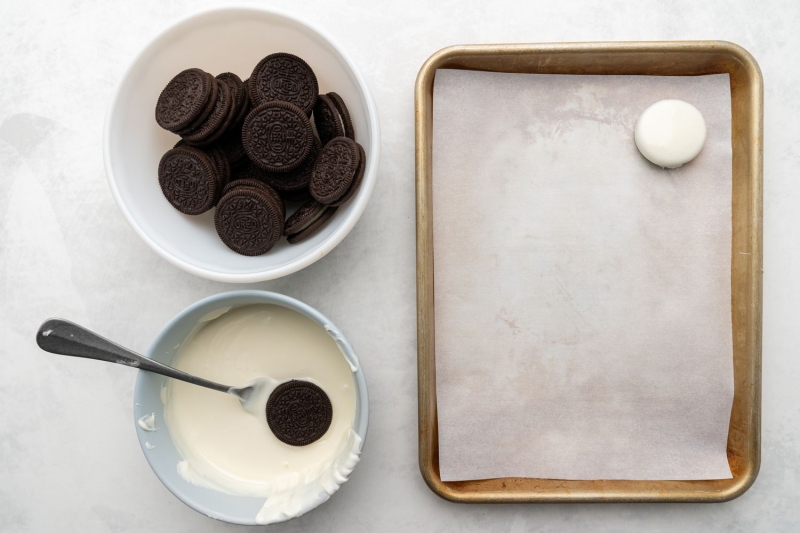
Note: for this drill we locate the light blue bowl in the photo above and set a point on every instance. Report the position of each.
(164, 457)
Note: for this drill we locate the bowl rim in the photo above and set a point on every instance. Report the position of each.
(313, 255)
(360, 426)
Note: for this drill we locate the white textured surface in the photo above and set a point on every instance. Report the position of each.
(70, 463)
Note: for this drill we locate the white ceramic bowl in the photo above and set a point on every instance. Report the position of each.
(230, 39)
(158, 446)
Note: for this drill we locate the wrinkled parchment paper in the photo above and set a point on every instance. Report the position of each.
(583, 312)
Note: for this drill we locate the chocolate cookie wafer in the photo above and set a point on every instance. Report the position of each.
(260, 185)
(222, 165)
(357, 178)
(209, 107)
(303, 195)
(216, 119)
(247, 92)
(189, 180)
(277, 136)
(248, 171)
(237, 111)
(299, 412)
(231, 145)
(327, 120)
(236, 86)
(221, 129)
(312, 228)
(335, 170)
(284, 77)
(248, 221)
(305, 215)
(217, 156)
(349, 130)
(183, 99)
(297, 179)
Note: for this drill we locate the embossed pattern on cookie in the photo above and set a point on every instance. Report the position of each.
(277, 136)
(297, 179)
(207, 109)
(357, 178)
(284, 77)
(261, 186)
(217, 117)
(188, 180)
(327, 120)
(248, 221)
(334, 171)
(182, 99)
(299, 412)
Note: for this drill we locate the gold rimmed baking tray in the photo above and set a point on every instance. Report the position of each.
(684, 58)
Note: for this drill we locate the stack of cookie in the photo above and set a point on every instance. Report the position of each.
(249, 147)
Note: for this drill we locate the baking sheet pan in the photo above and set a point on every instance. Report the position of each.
(660, 58)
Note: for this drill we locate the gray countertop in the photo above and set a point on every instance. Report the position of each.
(68, 453)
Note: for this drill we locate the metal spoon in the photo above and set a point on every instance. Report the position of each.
(65, 338)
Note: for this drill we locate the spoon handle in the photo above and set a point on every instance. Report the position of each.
(65, 338)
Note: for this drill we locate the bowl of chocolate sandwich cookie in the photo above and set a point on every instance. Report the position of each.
(242, 144)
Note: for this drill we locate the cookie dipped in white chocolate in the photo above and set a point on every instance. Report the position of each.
(233, 450)
(670, 133)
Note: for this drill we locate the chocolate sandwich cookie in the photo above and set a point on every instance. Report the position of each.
(327, 120)
(222, 165)
(237, 111)
(247, 182)
(299, 412)
(248, 220)
(216, 119)
(297, 179)
(217, 156)
(189, 180)
(303, 195)
(248, 171)
(209, 107)
(236, 86)
(303, 217)
(242, 101)
(261, 186)
(349, 130)
(312, 228)
(247, 91)
(183, 99)
(284, 77)
(277, 136)
(230, 144)
(221, 130)
(251, 173)
(357, 178)
(335, 170)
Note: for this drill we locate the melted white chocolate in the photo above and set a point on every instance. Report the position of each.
(231, 449)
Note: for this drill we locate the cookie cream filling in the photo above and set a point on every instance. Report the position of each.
(230, 449)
